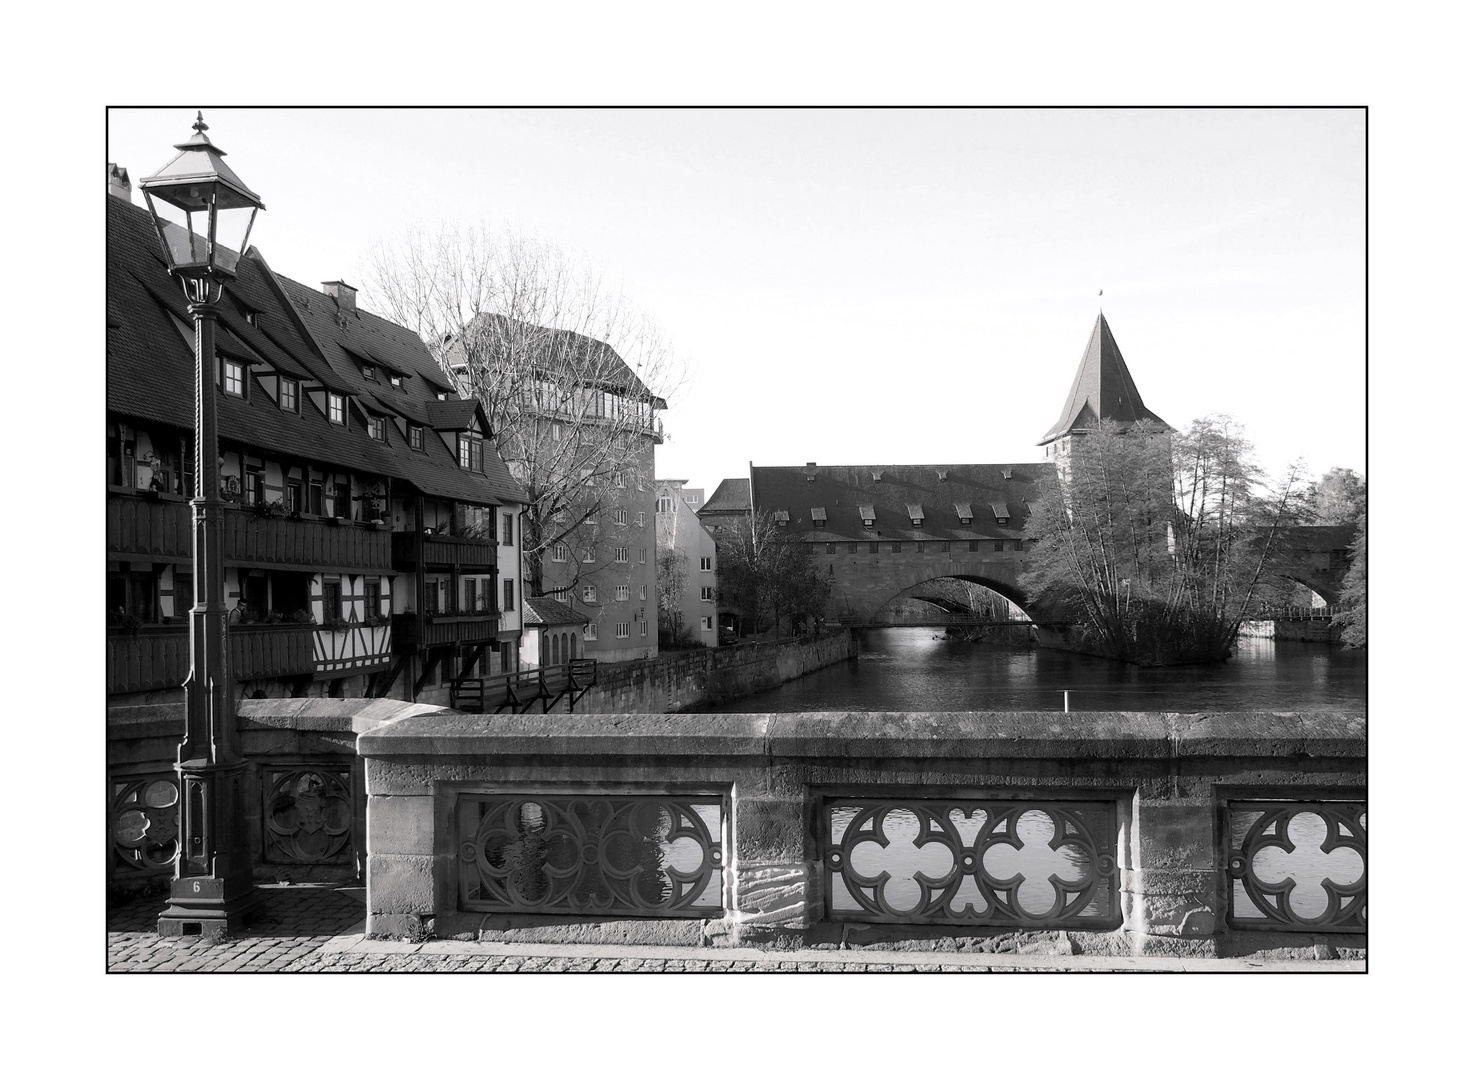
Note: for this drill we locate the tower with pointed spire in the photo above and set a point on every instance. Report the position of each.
(1103, 394)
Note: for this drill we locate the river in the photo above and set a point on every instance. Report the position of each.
(905, 669)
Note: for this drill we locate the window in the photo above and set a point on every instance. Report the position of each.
(640, 520)
(621, 592)
(590, 632)
(368, 371)
(342, 501)
(289, 397)
(895, 547)
(591, 518)
(642, 556)
(621, 517)
(588, 554)
(378, 429)
(972, 545)
(706, 563)
(314, 496)
(621, 629)
(708, 594)
(829, 549)
(619, 479)
(588, 477)
(416, 437)
(997, 545)
(292, 497)
(337, 409)
(644, 628)
(622, 554)
(469, 451)
(507, 530)
(1018, 545)
(235, 378)
(470, 594)
(854, 547)
(642, 591)
(509, 594)
(706, 622)
(396, 380)
(560, 552)
(920, 546)
(946, 545)
(590, 594)
(332, 601)
(875, 547)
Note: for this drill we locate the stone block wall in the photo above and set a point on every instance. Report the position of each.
(1165, 780)
(685, 680)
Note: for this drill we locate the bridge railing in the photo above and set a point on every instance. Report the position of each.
(1096, 833)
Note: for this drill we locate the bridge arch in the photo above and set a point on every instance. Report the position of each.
(1008, 590)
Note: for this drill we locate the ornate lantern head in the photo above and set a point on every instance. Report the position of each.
(203, 215)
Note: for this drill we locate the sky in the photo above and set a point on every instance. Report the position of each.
(862, 286)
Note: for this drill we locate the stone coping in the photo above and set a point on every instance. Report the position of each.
(355, 715)
(999, 735)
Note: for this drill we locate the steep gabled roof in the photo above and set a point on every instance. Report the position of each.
(730, 497)
(1103, 389)
(545, 611)
(150, 368)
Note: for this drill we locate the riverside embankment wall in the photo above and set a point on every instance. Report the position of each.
(691, 679)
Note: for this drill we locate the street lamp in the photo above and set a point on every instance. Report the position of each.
(212, 888)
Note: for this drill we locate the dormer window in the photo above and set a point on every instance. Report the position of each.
(964, 512)
(396, 380)
(337, 409)
(441, 395)
(941, 474)
(780, 516)
(378, 429)
(1000, 511)
(875, 475)
(416, 437)
(913, 510)
(819, 516)
(469, 451)
(368, 371)
(289, 396)
(1008, 472)
(867, 515)
(235, 378)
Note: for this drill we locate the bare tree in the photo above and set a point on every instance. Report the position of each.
(670, 586)
(571, 376)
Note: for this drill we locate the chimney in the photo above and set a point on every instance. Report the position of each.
(118, 184)
(346, 295)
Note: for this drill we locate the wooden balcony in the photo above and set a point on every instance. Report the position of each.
(161, 530)
(413, 632)
(157, 657)
(438, 550)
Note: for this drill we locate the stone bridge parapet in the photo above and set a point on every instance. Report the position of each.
(1107, 833)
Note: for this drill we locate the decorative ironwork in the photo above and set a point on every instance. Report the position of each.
(1298, 866)
(1028, 864)
(625, 855)
(143, 821)
(308, 815)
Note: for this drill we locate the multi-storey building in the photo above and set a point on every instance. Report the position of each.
(372, 541)
(678, 530)
(581, 430)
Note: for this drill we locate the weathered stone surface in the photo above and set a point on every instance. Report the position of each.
(401, 884)
(770, 830)
(970, 735)
(1268, 734)
(593, 932)
(774, 894)
(1155, 945)
(1178, 834)
(401, 825)
(578, 735)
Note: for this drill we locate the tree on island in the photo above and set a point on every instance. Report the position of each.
(1157, 548)
(762, 573)
(1353, 621)
(569, 373)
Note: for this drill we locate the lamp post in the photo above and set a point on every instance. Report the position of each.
(212, 888)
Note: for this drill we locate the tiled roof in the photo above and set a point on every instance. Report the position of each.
(731, 496)
(150, 368)
(457, 415)
(545, 611)
(849, 491)
(1103, 389)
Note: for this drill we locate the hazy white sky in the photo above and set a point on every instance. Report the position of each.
(861, 286)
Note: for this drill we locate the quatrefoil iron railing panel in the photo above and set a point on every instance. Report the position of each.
(143, 820)
(972, 862)
(643, 855)
(1298, 866)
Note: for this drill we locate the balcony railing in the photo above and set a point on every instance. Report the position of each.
(413, 632)
(162, 529)
(157, 657)
(437, 550)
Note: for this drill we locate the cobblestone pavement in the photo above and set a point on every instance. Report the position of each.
(319, 928)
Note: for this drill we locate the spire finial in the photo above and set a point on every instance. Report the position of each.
(199, 122)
